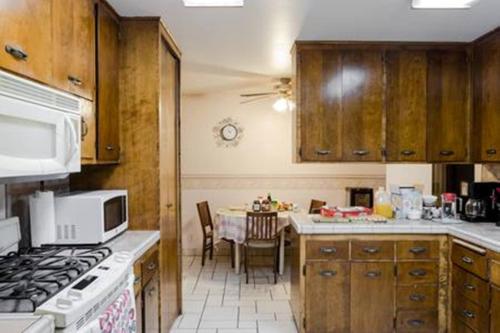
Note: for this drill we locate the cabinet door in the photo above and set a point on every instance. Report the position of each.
(406, 106)
(362, 105)
(447, 105)
(26, 38)
(495, 310)
(327, 297)
(372, 297)
(319, 98)
(74, 46)
(487, 100)
(151, 317)
(139, 313)
(108, 135)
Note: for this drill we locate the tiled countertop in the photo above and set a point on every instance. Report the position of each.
(483, 234)
(135, 242)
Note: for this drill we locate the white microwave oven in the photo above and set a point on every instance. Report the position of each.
(39, 130)
(92, 217)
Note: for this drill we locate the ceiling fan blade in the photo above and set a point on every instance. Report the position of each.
(255, 99)
(259, 94)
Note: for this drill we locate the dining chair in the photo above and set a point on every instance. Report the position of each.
(208, 233)
(315, 206)
(262, 233)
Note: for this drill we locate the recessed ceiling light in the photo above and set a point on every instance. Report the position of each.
(443, 4)
(213, 3)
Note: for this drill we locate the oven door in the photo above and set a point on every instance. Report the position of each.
(115, 219)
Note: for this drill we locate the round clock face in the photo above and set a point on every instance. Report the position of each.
(229, 132)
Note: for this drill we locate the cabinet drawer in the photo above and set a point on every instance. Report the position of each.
(495, 272)
(137, 277)
(417, 321)
(470, 313)
(470, 286)
(149, 267)
(372, 250)
(417, 272)
(459, 327)
(417, 297)
(417, 250)
(471, 260)
(327, 250)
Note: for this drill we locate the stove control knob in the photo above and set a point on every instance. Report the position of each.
(64, 303)
(75, 295)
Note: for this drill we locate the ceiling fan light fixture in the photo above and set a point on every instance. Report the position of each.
(443, 4)
(282, 104)
(213, 3)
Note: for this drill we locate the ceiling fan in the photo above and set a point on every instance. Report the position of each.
(283, 92)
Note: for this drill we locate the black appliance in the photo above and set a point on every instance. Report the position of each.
(482, 202)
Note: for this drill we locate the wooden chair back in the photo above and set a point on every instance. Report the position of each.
(205, 216)
(315, 206)
(262, 226)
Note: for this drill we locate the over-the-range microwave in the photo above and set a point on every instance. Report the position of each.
(92, 217)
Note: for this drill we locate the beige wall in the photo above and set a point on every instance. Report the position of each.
(261, 163)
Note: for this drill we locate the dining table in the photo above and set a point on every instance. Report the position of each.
(230, 224)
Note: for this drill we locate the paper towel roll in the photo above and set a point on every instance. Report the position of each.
(43, 220)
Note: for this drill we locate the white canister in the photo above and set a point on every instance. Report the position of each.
(42, 218)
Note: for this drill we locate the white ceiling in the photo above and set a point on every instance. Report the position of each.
(226, 48)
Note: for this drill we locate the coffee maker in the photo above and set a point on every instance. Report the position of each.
(482, 204)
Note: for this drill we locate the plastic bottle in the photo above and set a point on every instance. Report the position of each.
(382, 205)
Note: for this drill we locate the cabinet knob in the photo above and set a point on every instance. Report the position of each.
(408, 152)
(491, 151)
(110, 147)
(446, 152)
(373, 274)
(468, 314)
(322, 152)
(416, 322)
(467, 260)
(16, 52)
(371, 249)
(418, 250)
(328, 273)
(152, 266)
(328, 250)
(360, 152)
(418, 273)
(469, 286)
(74, 80)
(417, 298)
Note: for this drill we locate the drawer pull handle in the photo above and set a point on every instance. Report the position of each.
(84, 129)
(327, 273)
(417, 298)
(360, 152)
(373, 274)
(418, 273)
(469, 286)
(16, 52)
(408, 152)
(467, 260)
(75, 81)
(328, 250)
(371, 250)
(152, 266)
(416, 322)
(137, 280)
(418, 250)
(322, 152)
(110, 147)
(491, 151)
(446, 152)
(468, 314)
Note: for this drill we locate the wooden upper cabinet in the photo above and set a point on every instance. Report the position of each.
(108, 135)
(487, 99)
(26, 37)
(74, 46)
(362, 105)
(406, 106)
(448, 106)
(320, 92)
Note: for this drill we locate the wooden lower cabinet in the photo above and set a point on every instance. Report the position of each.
(495, 310)
(416, 321)
(151, 305)
(327, 297)
(372, 297)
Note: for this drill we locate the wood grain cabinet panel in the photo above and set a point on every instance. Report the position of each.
(417, 297)
(495, 310)
(406, 106)
(469, 260)
(448, 106)
(26, 38)
(411, 250)
(327, 297)
(470, 286)
(362, 105)
(372, 297)
(470, 313)
(88, 132)
(372, 250)
(417, 321)
(487, 99)
(108, 135)
(74, 46)
(320, 92)
(417, 272)
(327, 250)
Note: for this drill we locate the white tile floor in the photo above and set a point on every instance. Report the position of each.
(216, 300)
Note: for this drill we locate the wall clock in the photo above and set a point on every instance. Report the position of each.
(227, 133)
